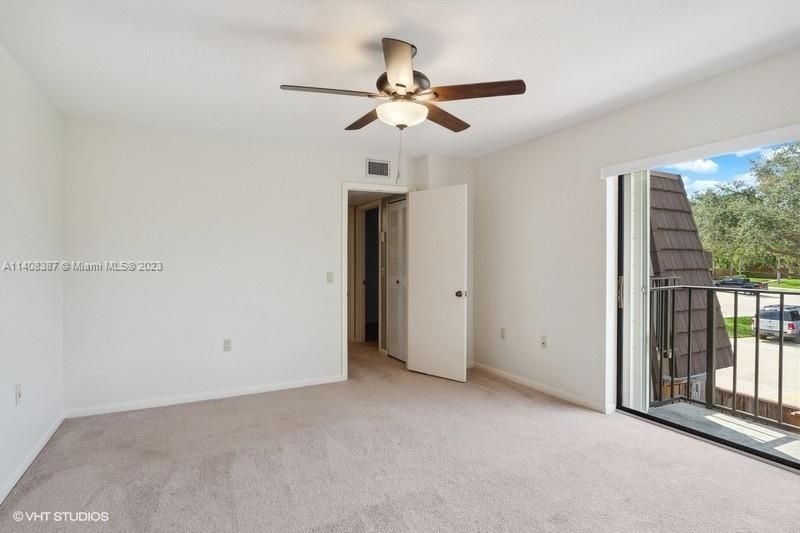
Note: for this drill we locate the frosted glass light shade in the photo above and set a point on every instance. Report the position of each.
(402, 113)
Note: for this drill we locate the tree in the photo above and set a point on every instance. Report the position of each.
(778, 219)
(746, 226)
(725, 217)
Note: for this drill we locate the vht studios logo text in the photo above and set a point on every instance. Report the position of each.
(61, 516)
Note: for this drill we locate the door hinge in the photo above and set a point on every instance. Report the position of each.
(620, 292)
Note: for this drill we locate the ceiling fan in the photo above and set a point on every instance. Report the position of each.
(409, 95)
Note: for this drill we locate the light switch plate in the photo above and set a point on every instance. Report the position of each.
(329, 277)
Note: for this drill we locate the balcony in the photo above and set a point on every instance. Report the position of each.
(718, 369)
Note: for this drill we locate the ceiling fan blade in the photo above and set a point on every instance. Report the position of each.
(363, 121)
(325, 90)
(443, 118)
(478, 90)
(399, 69)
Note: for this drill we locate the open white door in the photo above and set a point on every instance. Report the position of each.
(437, 282)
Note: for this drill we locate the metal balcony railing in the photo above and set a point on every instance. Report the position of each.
(688, 353)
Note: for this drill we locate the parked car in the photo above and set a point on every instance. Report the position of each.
(769, 318)
(740, 283)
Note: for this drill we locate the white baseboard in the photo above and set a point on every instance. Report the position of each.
(189, 398)
(551, 391)
(9, 484)
(470, 364)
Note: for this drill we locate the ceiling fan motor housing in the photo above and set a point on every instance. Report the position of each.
(421, 83)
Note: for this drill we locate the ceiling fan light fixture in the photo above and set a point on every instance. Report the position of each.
(402, 113)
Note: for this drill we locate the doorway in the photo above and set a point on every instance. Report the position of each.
(377, 288)
(421, 239)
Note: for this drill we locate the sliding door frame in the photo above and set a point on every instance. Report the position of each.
(622, 247)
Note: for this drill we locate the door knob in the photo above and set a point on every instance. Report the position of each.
(459, 294)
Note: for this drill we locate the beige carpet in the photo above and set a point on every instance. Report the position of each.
(390, 450)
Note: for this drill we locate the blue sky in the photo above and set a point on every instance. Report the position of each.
(702, 174)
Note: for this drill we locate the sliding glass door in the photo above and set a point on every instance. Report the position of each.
(702, 355)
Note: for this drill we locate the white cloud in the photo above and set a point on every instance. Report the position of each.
(765, 152)
(747, 178)
(694, 187)
(698, 166)
(748, 152)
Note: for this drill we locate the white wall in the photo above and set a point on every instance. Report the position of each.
(246, 233)
(30, 229)
(541, 221)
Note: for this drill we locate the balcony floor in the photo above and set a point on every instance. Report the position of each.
(767, 439)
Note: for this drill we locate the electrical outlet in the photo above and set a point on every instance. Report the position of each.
(226, 345)
(18, 395)
(543, 341)
(502, 333)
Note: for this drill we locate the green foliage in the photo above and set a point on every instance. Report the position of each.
(778, 178)
(785, 283)
(755, 227)
(726, 219)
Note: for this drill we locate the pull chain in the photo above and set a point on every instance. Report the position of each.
(399, 154)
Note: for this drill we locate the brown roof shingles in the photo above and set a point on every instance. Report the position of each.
(676, 251)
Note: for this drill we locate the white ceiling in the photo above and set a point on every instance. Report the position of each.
(215, 65)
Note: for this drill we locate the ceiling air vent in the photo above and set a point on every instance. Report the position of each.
(377, 169)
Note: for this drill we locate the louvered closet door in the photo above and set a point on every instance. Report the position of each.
(397, 312)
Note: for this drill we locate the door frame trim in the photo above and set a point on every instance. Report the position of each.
(620, 276)
(348, 186)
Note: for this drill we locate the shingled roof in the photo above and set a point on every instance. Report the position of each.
(676, 251)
